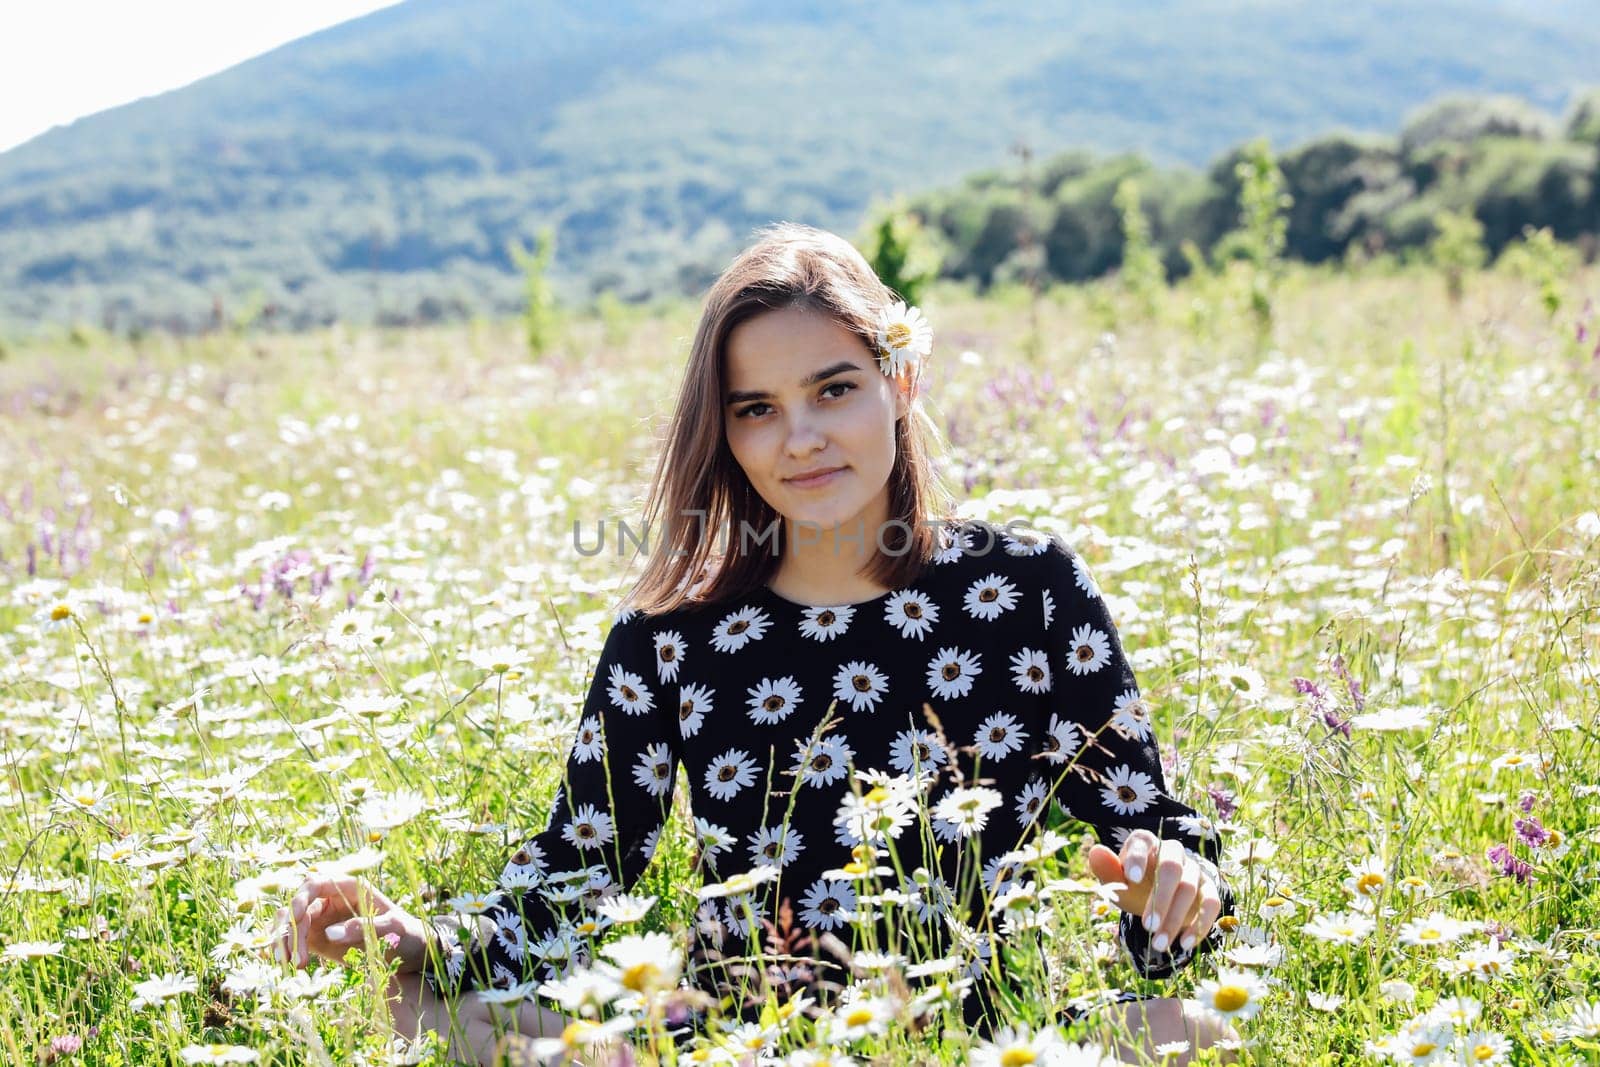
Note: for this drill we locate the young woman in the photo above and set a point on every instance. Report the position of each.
(867, 693)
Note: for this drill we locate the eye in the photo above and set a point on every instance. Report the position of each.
(751, 408)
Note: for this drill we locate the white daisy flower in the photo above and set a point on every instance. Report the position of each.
(654, 769)
(629, 692)
(968, 808)
(860, 684)
(739, 884)
(589, 828)
(219, 1054)
(1048, 603)
(1061, 739)
(904, 338)
(824, 624)
(1130, 717)
(880, 814)
(590, 744)
(739, 628)
(729, 773)
(911, 612)
(712, 838)
(999, 735)
(775, 845)
(1231, 994)
(1340, 927)
(773, 699)
(644, 963)
(1089, 650)
(32, 950)
(951, 671)
(669, 654)
(917, 749)
(1128, 792)
(1030, 669)
(694, 702)
(626, 907)
(990, 597)
(822, 763)
(823, 903)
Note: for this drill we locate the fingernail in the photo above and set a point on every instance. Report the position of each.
(1152, 921)
(1187, 942)
(1136, 873)
(337, 932)
(1160, 942)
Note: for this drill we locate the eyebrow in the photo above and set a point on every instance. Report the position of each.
(739, 396)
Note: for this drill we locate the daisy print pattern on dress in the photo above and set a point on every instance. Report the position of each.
(729, 773)
(740, 628)
(940, 720)
(912, 613)
(860, 684)
(669, 653)
(773, 700)
(951, 673)
(990, 597)
(824, 624)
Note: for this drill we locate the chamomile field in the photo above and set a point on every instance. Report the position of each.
(273, 605)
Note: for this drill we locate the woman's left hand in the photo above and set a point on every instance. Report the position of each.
(1176, 899)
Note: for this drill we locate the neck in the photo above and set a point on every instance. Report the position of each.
(823, 564)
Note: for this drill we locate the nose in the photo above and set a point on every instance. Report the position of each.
(803, 438)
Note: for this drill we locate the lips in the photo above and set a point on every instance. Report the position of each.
(817, 478)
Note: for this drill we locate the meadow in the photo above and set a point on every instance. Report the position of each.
(279, 604)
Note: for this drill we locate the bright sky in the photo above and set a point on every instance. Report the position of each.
(63, 59)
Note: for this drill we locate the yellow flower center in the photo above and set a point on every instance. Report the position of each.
(641, 976)
(575, 1032)
(1423, 1048)
(1230, 998)
(1276, 901)
(1428, 935)
(858, 1017)
(1016, 1057)
(1369, 882)
(898, 335)
(1482, 1052)
(59, 612)
(877, 796)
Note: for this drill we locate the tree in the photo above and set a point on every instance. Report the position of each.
(900, 252)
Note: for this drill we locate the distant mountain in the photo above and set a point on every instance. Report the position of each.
(379, 168)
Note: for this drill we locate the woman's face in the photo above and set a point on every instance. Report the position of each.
(804, 394)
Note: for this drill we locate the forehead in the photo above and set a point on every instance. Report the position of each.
(776, 345)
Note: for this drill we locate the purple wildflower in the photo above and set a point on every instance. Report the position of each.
(1525, 801)
(1509, 865)
(66, 1044)
(1533, 834)
(1224, 800)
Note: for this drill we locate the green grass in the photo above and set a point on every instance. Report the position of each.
(1387, 496)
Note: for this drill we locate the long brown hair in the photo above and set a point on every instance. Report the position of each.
(789, 265)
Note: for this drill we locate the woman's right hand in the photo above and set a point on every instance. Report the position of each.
(328, 915)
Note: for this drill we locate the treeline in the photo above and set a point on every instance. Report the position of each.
(1497, 160)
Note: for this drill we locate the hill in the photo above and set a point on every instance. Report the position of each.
(378, 169)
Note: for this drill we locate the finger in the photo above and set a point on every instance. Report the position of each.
(1169, 869)
(1210, 910)
(1179, 907)
(1136, 853)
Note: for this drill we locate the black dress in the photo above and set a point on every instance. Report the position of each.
(1004, 638)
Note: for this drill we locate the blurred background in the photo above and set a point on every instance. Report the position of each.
(443, 159)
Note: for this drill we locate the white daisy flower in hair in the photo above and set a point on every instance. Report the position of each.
(904, 338)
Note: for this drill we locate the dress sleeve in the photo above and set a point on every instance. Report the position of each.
(609, 808)
(1102, 762)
